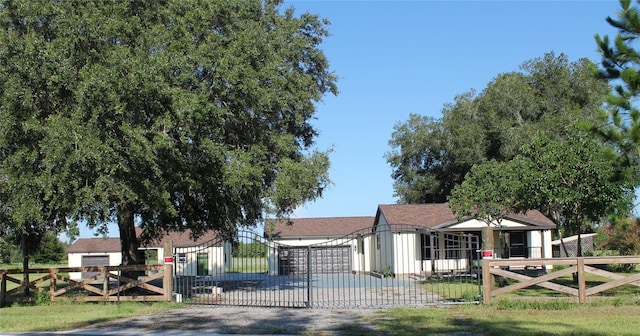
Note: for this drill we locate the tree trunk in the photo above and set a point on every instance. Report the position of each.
(25, 263)
(488, 245)
(128, 240)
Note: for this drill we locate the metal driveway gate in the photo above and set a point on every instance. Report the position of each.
(399, 266)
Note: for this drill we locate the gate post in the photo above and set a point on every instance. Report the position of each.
(486, 281)
(3, 287)
(309, 277)
(167, 278)
(582, 286)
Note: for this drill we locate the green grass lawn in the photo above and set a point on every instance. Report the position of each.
(248, 265)
(591, 280)
(66, 315)
(570, 319)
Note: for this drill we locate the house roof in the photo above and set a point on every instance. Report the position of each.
(104, 245)
(324, 227)
(440, 215)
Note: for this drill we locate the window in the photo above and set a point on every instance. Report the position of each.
(452, 245)
(518, 244)
(151, 256)
(425, 243)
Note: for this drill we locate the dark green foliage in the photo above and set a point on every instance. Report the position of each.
(173, 114)
(492, 190)
(429, 157)
(620, 64)
(50, 250)
(575, 181)
(621, 236)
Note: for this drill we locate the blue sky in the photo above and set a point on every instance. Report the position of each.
(394, 58)
(400, 57)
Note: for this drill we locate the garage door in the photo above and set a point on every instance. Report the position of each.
(334, 259)
(88, 261)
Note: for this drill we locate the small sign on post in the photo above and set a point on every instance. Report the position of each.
(487, 254)
(168, 260)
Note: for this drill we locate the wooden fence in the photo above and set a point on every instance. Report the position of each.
(512, 269)
(107, 285)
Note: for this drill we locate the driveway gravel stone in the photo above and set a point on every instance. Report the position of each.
(252, 321)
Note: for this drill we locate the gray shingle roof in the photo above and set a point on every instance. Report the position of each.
(436, 215)
(180, 239)
(324, 227)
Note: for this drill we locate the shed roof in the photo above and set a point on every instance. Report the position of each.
(96, 245)
(180, 239)
(323, 227)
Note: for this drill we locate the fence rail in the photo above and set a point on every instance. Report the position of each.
(107, 285)
(580, 266)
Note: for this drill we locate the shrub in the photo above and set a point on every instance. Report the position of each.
(622, 236)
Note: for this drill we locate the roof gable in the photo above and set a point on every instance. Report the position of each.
(324, 227)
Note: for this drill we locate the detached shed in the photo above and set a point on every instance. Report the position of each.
(211, 253)
(86, 252)
(570, 248)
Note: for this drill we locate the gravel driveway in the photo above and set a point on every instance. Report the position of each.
(248, 321)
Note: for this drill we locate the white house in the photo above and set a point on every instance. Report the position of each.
(439, 239)
(402, 239)
(214, 255)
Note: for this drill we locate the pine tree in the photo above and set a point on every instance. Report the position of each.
(620, 64)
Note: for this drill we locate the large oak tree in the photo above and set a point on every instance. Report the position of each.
(429, 157)
(172, 115)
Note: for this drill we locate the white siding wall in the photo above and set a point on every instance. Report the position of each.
(363, 256)
(75, 260)
(535, 242)
(407, 257)
(217, 262)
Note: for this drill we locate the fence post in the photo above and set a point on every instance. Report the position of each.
(486, 282)
(3, 287)
(167, 278)
(105, 283)
(53, 274)
(582, 284)
(309, 277)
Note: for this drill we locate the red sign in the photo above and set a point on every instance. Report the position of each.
(487, 254)
(168, 260)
